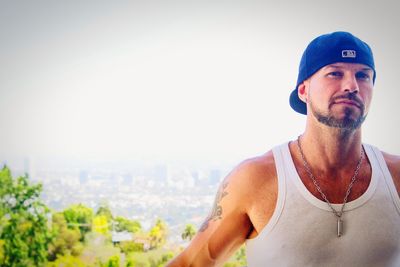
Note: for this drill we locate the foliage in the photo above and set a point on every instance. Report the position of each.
(66, 240)
(162, 261)
(158, 234)
(113, 261)
(189, 232)
(24, 233)
(137, 263)
(232, 264)
(240, 255)
(130, 246)
(100, 224)
(67, 261)
(1, 250)
(122, 224)
(155, 257)
(104, 210)
(166, 258)
(238, 259)
(98, 247)
(79, 217)
(27, 240)
(129, 263)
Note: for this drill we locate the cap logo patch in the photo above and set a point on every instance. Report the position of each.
(349, 53)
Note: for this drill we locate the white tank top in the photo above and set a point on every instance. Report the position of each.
(303, 230)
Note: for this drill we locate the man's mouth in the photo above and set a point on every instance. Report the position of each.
(347, 102)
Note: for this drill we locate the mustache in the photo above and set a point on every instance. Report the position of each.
(349, 96)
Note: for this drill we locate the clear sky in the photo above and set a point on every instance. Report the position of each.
(193, 80)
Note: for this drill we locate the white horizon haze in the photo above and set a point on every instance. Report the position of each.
(174, 80)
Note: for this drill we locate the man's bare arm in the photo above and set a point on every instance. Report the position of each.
(243, 205)
(225, 228)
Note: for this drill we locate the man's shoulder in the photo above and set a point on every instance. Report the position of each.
(392, 161)
(259, 163)
(391, 158)
(254, 172)
(393, 164)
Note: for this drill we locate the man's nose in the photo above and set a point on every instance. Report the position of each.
(350, 84)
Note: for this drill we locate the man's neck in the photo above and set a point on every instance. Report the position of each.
(332, 158)
(328, 148)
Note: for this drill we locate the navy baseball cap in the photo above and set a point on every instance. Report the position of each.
(327, 49)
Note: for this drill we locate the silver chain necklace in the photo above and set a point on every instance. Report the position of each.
(338, 214)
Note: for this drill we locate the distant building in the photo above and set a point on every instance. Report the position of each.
(180, 177)
(196, 177)
(160, 173)
(117, 237)
(127, 179)
(201, 178)
(29, 168)
(142, 240)
(83, 177)
(215, 177)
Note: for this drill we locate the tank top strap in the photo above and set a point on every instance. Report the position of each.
(386, 174)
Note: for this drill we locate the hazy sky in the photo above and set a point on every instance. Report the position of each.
(194, 80)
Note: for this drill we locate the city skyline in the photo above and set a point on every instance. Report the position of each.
(172, 81)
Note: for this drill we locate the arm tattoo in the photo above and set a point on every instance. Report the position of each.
(216, 212)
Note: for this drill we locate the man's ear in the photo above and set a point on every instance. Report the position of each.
(302, 91)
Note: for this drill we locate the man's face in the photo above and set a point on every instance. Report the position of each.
(339, 94)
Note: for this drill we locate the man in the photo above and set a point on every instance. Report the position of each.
(325, 199)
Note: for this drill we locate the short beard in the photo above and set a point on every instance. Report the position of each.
(346, 123)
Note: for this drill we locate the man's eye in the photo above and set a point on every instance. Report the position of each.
(336, 74)
(363, 76)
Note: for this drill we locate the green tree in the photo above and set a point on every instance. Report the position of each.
(130, 246)
(122, 224)
(67, 261)
(238, 259)
(24, 234)
(130, 263)
(240, 256)
(100, 224)
(158, 234)
(189, 232)
(66, 241)
(113, 261)
(79, 217)
(104, 210)
(161, 261)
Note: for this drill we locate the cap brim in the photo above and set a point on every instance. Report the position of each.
(296, 103)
